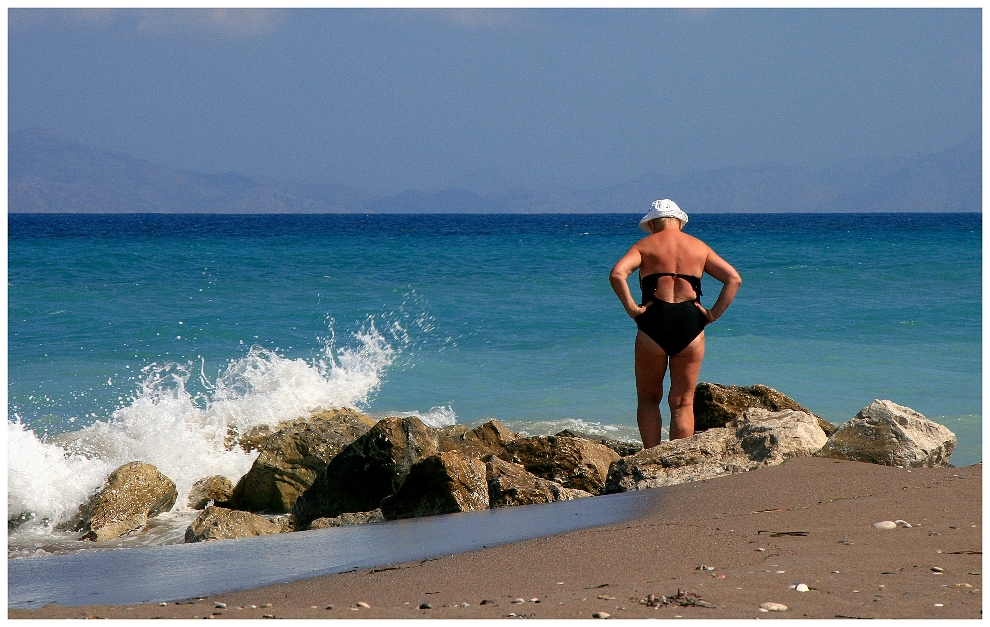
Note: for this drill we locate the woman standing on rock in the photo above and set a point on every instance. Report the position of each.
(671, 319)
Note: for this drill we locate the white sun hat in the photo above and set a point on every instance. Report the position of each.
(665, 208)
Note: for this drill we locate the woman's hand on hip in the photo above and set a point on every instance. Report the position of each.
(638, 310)
(706, 312)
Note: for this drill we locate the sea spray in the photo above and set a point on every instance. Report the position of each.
(44, 481)
(184, 434)
(438, 417)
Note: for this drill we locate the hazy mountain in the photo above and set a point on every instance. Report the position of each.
(50, 174)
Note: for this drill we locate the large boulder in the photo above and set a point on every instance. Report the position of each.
(366, 471)
(717, 405)
(490, 438)
(131, 495)
(893, 435)
(440, 484)
(572, 462)
(757, 438)
(349, 518)
(704, 455)
(293, 456)
(216, 488)
(220, 523)
(771, 437)
(509, 484)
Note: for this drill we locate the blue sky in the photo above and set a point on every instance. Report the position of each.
(391, 100)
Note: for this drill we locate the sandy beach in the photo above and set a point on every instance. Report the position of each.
(731, 544)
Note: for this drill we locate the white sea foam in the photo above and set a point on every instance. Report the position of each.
(439, 417)
(184, 435)
(623, 433)
(46, 480)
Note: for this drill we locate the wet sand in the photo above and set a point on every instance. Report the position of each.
(735, 542)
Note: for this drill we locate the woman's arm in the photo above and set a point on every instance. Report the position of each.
(620, 272)
(721, 270)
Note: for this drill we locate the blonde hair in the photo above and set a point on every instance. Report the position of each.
(657, 222)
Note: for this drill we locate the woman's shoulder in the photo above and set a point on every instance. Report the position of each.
(694, 242)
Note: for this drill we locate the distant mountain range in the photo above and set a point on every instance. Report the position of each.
(51, 174)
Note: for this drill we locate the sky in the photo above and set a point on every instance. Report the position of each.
(394, 99)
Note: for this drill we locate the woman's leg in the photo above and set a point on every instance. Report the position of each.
(651, 366)
(684, 369)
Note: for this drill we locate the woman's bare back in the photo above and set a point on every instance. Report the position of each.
(671, 250)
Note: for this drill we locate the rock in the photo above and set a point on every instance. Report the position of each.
(349, 518)
(440, 484)
(131, 495)
(802, 587)
(293, 456)
(285, 523)
(572, 462)
(509, 484)
(601, 615)
(220, 523)
(717, 405)
(885, 524)
(253, 440)
(214, 488)
(773, 607)
(890, 434)
(704, 455)
(622, 448)
(775, 436)
(757, 438)
(490, 438)
(366, 471)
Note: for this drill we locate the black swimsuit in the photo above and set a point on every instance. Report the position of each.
(671, 325)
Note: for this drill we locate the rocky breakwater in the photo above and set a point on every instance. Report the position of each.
(717, 405)
(409, 469)
(293, 456)
(756, 438)
(131, 495)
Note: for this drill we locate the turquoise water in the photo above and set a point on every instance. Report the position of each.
(150, 320)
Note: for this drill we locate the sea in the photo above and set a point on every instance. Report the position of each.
(148, 337)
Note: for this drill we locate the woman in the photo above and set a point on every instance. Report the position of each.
(671, 319)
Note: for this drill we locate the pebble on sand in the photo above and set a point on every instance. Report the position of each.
(425, 606)
(769, 606)
(601, 615)
(363, 604)
(800, 587)
(220, 606)
(518, 600)
(329, 607)
(885, 524)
